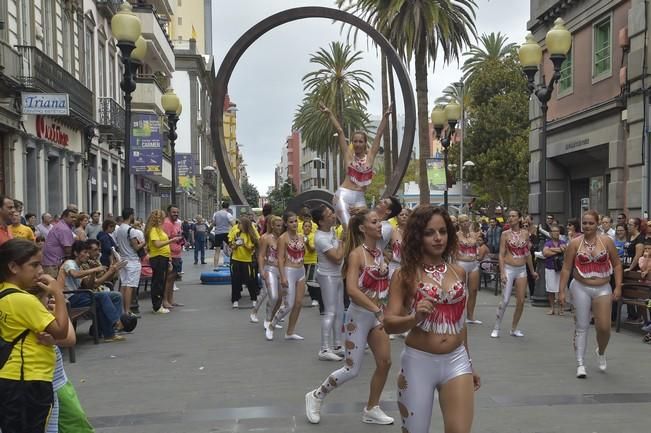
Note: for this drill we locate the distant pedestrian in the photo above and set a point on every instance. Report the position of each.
(130, 241)
(158, 246)
(80, 227)
(19, 230)
(45, 226)
(6, 214)
(94, 226)
(199, 236)
(553, 252)
(493, 235)
(222, 221)
(172, 226)
(107, 242)
(58, 243)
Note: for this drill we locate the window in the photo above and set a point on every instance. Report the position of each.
(112, 81)
(68, 41)
(48, 28)
(180, 21)
(601, 49)
(101, 59)
(89, 58)
(565, 82)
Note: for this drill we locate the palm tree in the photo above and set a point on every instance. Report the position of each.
(490, 47)
(421, 29)
(342, 88)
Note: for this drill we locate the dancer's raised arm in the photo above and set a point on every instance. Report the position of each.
(375, 147)
(343, 145)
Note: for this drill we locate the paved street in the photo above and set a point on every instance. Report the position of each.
(205, 368)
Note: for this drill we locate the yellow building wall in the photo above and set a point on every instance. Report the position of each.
(189, 14)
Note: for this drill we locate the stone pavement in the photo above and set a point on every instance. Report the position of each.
(204, 368)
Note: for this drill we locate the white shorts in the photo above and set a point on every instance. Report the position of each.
(130, 274)
(552, 280)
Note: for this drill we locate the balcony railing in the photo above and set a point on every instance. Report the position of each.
(161, 21)
(41, 73)
(110, 115)
(108, 8)
(151, 78)
(9, 64)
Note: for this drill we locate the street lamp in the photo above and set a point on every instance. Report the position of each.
(172, 106)
(126, 29)
(464, 165)
(450, 114)
(318, 164)
(558, 42)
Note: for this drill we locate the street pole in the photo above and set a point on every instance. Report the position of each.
(172, 119)
(128, 85)
(463, 132)
(445, 164)
(318, 173)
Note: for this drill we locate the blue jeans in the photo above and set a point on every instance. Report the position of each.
(108, 305)
(199, 247)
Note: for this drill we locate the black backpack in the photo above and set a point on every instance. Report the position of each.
(7, 346)
(141, 252)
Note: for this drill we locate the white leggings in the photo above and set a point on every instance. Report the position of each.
(346, 198)
(332, 320)
(271, 290)
(294, 276)
(513, 273)
(420, 374)
(469, 267)
(583, 296)
(359, 324)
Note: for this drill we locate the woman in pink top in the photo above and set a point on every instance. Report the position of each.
(358, 161)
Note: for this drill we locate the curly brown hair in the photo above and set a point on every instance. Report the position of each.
(354, 236)
(412, 241)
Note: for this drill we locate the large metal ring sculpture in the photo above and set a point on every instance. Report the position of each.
(284, 17)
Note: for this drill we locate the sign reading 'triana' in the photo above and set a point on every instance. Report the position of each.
(51, 104)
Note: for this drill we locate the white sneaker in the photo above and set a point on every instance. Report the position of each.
(580, 372)
(474, 322)
(495, 333)
(339, 350)
(375, 415)
(328, 355)
(253, 318)
(279, 326)
(161, 310)
(236, 304)
(255, 304)
(293, 337)
(517, 333)
(603, 365)
(268, 334)
(315, 303)
(313, 407)
(266, 323)
(176, 288)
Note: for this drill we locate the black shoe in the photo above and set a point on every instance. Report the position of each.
(204, 263)
(195, 263)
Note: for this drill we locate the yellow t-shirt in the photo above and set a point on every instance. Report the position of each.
(20, 311)
(299, 229)
(310, 256)
(339, 231)
(394, 222)
(243, 252)
(158, 234)
(22, 232)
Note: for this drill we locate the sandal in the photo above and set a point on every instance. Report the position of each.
(647, 338)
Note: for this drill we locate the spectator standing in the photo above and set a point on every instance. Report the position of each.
(635, 247)
(553, 252)
(262, 219)
(621, 239)
(94, 226)
(223, 221)
(107, 242)
(199, 232)
(45, 226)
(173, 228)
(31, 221)
(58, 243)
(18, 207)
(80, 227)
(493, 235)
(607, 227)
(19, 230)
(6, 213)
(130, 241)
(622, 218)
(158, 245)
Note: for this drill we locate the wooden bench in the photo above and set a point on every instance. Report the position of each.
(635, 291)
(82, 313)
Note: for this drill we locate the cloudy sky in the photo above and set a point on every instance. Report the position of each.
(266, 84)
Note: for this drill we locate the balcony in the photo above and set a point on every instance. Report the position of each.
(160, 51)
(148, 93)
(9, 65)
(42, 74)
(108, 8)
(110, 116)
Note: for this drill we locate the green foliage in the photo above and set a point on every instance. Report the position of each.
(497, 134)
(280, 196)
(491, 47)
(250, 192)
(376, 188)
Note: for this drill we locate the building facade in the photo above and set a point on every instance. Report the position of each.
(66, 47)
(597, 131)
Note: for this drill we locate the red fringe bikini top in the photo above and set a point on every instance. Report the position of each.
(272, 256)
(373, 281)
(468, 249)
(449, 314)
(592, 266)
(518, 246)
(295, 250)
(359, 172)
(396, 251)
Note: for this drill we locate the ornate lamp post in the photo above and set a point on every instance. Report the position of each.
(172, 106)
(450, 114)
(558, 42)
(126, 29)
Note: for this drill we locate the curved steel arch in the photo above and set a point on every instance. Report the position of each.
(311, 198)
(276, 20)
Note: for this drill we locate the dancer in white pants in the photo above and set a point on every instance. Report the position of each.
(594, 258)
(514, 256)
(467, 259)
(291, 250)
(358, 161)
(268, 268)
(330, 254)
(428, 299)
(367, 284)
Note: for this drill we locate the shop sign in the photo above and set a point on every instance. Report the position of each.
(50, 104)
(185, 171)
(146, 144)
(51, 131)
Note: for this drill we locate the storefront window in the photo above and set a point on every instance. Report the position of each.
(598, 199)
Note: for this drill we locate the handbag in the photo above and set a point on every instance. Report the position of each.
(558, 262)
